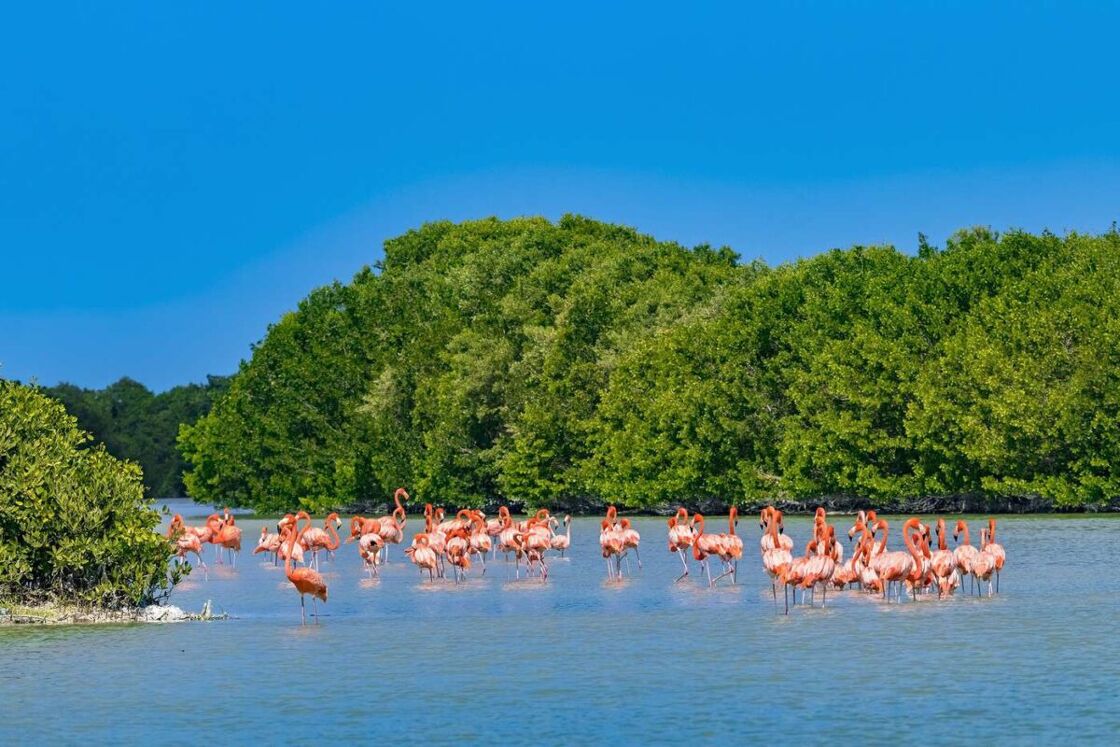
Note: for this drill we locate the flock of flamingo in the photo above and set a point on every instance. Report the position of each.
(470, 536)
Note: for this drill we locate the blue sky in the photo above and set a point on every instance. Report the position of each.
(174, 176)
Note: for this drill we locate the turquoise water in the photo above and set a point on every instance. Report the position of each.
(582, 659)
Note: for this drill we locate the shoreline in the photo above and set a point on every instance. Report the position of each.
(52, 613)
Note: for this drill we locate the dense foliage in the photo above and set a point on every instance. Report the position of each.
(74, 523)
(543, 363)
(140, 426)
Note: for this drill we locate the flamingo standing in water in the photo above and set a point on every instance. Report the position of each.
(776, 560)
(818, 570)
(610, 542)
(494, 528)
(459, 552)
(185, 541)
(268, 542)
(995, 549)
(630, 541)
(315, 539)
(508, 538)
(370, 546)
(706, 545)
(481, 542)
(423, 556)
(228, 536)
(984, 564)
(730, 547)
(392, 526)
(965, 553)
(894, 567)
(561, 542)
(681, 537)
(943, 564)
(306, 580)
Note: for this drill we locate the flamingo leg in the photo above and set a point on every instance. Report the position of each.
(638, 557)
(684, 563)
(302, 610)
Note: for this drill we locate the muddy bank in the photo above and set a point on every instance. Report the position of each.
(61, 614)
(938, 504)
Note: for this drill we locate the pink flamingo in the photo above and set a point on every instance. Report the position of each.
(944, 564)
(305, 580)
(610, 542)
(630, 541)
(776, 560)
(268, 543)
(423, 556)
(681, 537)
(964, 553)
(705, 545)
(315, 539)
(984, 564)
(561, 542)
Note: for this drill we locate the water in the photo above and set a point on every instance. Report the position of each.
(582, 659)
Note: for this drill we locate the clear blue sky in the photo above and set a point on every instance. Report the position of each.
(174, 176)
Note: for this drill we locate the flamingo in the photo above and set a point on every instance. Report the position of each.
(984, 564)
(630, 541)
(896, 566)
(392, 526)
(535, 542)
(459, 552)
(481, 542)
(287, 526)
(185, 541)
(306, 580)
(507, 538)
(783, 540)
(920, 576)
(681, 537)
(964, 553)
(705, 545)
(436, 539)
(611, 544)
(315, 539)
(868, 578)
(943, 564)
(561, 542)
(423, 556)
(494, 527)
(268, 542)
(995, 549)
(228, 536)
(370, 546)
(818, 571)
(776, 560)
(730, 547)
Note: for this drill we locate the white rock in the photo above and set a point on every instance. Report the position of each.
(159, 613)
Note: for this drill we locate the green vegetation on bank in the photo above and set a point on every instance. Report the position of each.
(74, 523)
(140, 426)
(544, 363)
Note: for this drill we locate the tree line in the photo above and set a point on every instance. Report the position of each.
(138, 425)
(578, 363)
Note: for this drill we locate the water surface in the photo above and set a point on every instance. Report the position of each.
(579, 658)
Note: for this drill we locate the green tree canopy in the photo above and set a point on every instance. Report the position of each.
(74, 523)
(540, 363)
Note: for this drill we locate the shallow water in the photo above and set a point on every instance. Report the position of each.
(582, 659)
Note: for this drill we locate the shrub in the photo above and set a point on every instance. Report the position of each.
(74, 523)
